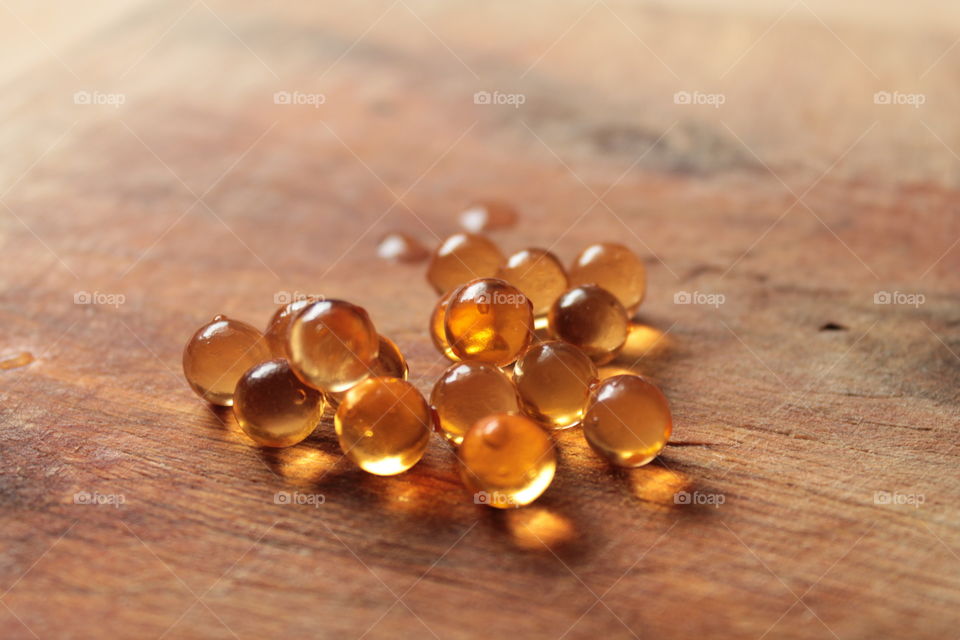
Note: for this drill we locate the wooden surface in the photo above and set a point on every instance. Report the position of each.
(796, 401)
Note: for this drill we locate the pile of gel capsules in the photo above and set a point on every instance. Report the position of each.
(525, 336)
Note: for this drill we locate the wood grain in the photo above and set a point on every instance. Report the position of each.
(796, 401)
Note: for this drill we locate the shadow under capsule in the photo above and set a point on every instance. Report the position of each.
(223, 418)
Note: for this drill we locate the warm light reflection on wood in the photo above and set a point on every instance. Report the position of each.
(644, 340)
(408, 497)
(302, 465)
(539, 528)
(658, 485)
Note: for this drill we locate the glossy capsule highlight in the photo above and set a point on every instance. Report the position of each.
(383, 425)
(628, 420)
(274, 408)
(332, 345)
(467, 392)
(460, 258)
(488, 320)
(592, 319)
(615, 268)
(217, 356)
(554, 380)
(507, 460)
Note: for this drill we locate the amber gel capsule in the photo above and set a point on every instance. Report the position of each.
(397, 246)
(489, 320)
(218, 354)
(554, 380)
(274, 408)
(468, 391)
(383, 425)
(615, 268)
(279, 325)
(332, 345)
(592, 319)
(507, 460)
(539, 274)
(438, 332)
(390, 362)
(628, 421)
(460, 258)
(487, 215)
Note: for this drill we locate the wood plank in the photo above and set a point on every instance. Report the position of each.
(796, 401)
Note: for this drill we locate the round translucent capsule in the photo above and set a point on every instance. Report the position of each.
(488, 320)
(539, 274)
(507, 460)
(438, 333)
(554, 380)
(218, 354)
(397, 246)
(460, 258)
(332, 345)
(390, 362)
(592, 319)
(486, 215)
(627, 421)
(274, 408)
(279, 325)
(467, 392)
(615, 268)
(383, 425)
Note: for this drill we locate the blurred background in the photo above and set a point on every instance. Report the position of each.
(167, 161)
